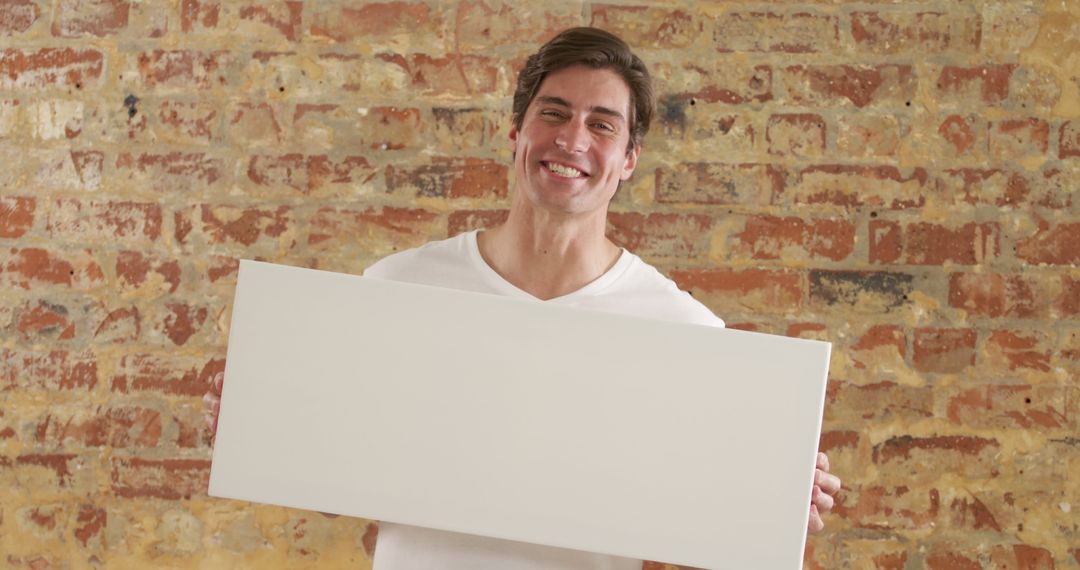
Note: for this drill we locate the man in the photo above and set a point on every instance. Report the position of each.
(581, 109)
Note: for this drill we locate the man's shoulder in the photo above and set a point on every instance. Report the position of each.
(449, 263)
(654, 293)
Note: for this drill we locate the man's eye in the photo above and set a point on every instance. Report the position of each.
(604, 126)
(550, 113)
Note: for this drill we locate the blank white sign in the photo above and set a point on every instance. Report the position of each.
(518, 419)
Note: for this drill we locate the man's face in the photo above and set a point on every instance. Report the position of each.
(570, 152)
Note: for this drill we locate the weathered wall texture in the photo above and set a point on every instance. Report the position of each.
(897, 178)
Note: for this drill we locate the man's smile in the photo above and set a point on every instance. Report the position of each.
(563, 170)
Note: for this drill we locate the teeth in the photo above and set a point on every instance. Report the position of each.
(563, 170)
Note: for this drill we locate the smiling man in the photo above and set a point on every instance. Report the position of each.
(581, 109)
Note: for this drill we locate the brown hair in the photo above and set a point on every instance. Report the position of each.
(594, 48)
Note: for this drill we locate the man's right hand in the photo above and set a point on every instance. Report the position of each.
(212, 403)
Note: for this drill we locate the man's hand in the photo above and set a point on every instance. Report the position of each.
(826, 486)
(212, 403)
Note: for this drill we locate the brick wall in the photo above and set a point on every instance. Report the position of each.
(897, 178)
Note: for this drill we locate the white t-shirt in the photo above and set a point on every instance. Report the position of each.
(630, 287)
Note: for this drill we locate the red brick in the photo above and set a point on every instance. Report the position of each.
(867, 351)
(988, 83)
(183, 321)
(796, 134)
(283, 17)
(944, 350)
(1020, 138)
(959, 133)
(879, 402)
(799, 32)
(1021, 557)
(1014, 406)
(34, 266)
(1068, 302)
(951, 561)
(170, 479)
(1015, 350)
(467, 220)
(244, 225)
(50, 67)
(254, 124)
(900, 448)
(870, 135)
(79, 221)
(119, 326)
(451, 178)
(196, 13)
(452, 75)
(887, 32)
(310, 174)
(379, 231)
(390, 128)
(470, 127)
(833, 440)
(992, 295)
(859, 85)
(888, 507)
(1069, 139)
(1053, 244)
(890, 561)
(772, 238)
(174, 172)
(766, 290)
(55, 370)
(377, 19)
(923, 243)
(719, 183)
(16, 215)
(133, 268)
(76, 18)
(43, 320)
(90, 521)
(187, 121)
(16, 16)
(115, 426)
(661, 235)
(58, 463)
(182, 69)
(222, 266)
(172, 376)
(731, 84)
(649, 26)
(855, 185)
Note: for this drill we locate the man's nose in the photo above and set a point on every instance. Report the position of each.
(573, 136)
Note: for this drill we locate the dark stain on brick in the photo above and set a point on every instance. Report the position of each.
(131, 102)
(845, 287)
(672, 111)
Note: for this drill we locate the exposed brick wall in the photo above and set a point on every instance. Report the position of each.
(897, 178)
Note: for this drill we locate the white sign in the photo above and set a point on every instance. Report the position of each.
(517, 419)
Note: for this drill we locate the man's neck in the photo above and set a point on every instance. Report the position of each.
(548, 255)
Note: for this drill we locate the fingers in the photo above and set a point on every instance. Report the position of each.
(217, 383)
(822, 500)
(827, 481)
(822, 461)
(815, 525)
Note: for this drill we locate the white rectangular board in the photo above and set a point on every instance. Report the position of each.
(518, 419)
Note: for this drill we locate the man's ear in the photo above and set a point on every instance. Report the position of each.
(513, 136)
(631, 162)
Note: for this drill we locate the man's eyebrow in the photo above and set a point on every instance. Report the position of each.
(564, 103)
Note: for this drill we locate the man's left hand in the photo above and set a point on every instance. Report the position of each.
(826, 486)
